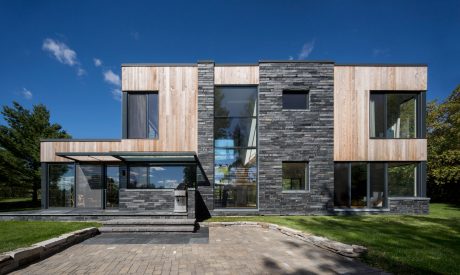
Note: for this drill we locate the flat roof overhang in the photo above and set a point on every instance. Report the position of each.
(129, 156)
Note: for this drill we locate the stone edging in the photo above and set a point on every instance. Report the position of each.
(352, 251)
(12, 260)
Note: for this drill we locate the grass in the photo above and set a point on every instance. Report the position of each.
(399, 244)
(16, 234)
(18, 204)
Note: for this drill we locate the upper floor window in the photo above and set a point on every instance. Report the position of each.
(143, 115)
(395, 115)
(296, 100)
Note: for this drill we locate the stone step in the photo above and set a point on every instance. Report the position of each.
(159, 228)
(146, 222)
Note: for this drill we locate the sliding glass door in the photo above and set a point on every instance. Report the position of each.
(89, 186)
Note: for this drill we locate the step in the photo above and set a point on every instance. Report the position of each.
(169, 228)
(147, 222)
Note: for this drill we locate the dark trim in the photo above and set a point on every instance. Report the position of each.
(297, 61)
(159, 65)
(368, 185)
(349, 185)
(422, 112)
(78, 139)
(205, 62)
(381, 65)
(235, 64)
(422, 179)
(124, 116)
(44, 184)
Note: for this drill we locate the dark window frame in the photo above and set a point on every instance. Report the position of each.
(256, 117)
(307, 177)
(156, 164)
(305, 92)
(420, 191)
(146, 93)
(420, 120)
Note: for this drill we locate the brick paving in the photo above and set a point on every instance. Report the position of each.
(231, 250)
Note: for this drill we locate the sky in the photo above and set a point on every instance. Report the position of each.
(68, 54)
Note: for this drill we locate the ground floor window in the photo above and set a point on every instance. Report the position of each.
(61, 178)
(154, 176)
(369, 184)
(295, 176)
(112, 185)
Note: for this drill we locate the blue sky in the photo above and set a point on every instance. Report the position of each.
(49, 48)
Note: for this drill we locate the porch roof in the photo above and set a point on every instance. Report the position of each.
(129, 156)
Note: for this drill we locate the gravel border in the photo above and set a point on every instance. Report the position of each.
(351, 251)
(21, 257)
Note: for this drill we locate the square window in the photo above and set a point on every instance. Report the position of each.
(296, 100)
(295, 176)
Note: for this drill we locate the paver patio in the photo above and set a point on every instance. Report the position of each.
(231, 250)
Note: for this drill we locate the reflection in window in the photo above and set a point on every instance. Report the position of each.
(358, 184)
(113, 185)
(377, 185)
(89, 186)
(295, 100)
(162, 176)
(235, 147)
(143, 115)
(61, 185)
(341, 187)
(402, 179)
(393, 115)
(295, 175)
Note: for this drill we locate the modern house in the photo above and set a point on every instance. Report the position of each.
(277, 137)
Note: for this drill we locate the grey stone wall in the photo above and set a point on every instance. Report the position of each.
(409, 205)
(147, 199)
(296, 135)
(206, 127)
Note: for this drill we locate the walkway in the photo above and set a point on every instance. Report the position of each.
(231, 250)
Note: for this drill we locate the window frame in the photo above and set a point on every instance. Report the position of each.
(237, 148)
(145, 93)
(419, 190)
(306, 173)
(154, 164)
(420, 112)
(305, 92)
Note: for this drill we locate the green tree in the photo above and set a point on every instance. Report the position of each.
(443, 130)
(20, 146)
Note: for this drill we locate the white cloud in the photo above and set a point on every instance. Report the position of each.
(291, 58)
(306, 49)
(80, 72)
(112, 78)
(116, 93)
(97, 62)
(61, 51)
(26, 94)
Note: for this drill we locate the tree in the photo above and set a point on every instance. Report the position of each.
(20, 146)
(443, 130)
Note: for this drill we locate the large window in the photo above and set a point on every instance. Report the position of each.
(295, 176)
(235, 147)
(143, 115)
(402, 179)
(156, 176)
(367, 185)
(61, 179)
(89, 186)
(112, 180)
(396, 115)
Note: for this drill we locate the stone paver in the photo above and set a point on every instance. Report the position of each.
(231, 250)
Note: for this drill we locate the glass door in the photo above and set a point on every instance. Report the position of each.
(112, 181)
(89, 186)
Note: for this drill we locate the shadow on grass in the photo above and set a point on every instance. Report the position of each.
(10, 206)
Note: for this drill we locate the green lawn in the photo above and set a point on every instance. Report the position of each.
(18, 204)
(399, 244)
(15, 234)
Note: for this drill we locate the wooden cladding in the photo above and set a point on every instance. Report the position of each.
(352, 86)
(236, 75)
(139, 79)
